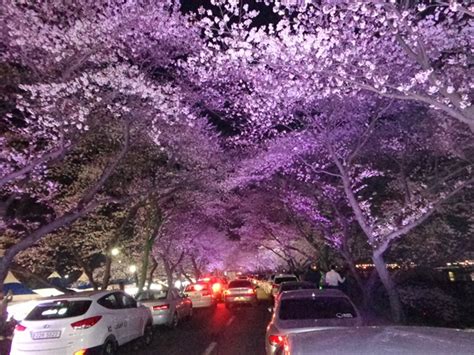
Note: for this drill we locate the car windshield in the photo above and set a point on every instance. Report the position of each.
(279, 280)
(59, 310)
(197, 287)
(152, 295)
(296, 286)
(240, 283)
(316, 308)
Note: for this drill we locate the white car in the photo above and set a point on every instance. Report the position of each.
(82, 323)
(168, 307)
(306, 310)
(201, 295)
(275, 280)
(381, 340)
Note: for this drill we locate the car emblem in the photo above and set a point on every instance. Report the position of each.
(46, 326)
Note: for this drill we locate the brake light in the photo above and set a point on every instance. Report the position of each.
(86, 323)
(20, 328)
(277, 340)
(216, 287)
(161, 307)
(198, 287)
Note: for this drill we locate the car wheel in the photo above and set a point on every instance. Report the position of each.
(109, 347)
(174, 321)
(148, 335)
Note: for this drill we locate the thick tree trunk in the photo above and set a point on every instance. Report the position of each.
(145, 260)
(393, 296)
(107, 268)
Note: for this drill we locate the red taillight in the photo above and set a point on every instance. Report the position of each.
(161, 307)
(86, 323)
(216, 287)
(198, 287)
(277, 340)
(20, 328)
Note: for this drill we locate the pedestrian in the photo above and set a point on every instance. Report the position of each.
(314, 275)
(333, 279)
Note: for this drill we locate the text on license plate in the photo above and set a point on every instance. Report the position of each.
(47, 334)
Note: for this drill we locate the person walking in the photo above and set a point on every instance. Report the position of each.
(333, 279)
(314, 275)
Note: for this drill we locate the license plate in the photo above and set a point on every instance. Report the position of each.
(240, 298)
(47, 334)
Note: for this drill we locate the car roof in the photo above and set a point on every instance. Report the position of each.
(308, 293)
(285, 275)
(94, 295)
(297, 283)
(383, 340)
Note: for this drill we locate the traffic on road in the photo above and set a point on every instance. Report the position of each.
(278, 315)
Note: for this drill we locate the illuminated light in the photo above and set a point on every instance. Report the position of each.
(216, 287)
(161, 307)
(115, 251)
(206, 279)
(20, 328)
(86, 323)
(198, 287)
(277, 340)
(250, 291)
(81, 352)
(177, 284)
(132, 269)
(451, 276)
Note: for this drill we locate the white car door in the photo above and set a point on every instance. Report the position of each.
(134, 326)
(117, 315)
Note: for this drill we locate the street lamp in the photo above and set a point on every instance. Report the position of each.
(132, 269)
(115, 251)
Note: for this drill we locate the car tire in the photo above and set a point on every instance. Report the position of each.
(174, 321)
(109, 347)
(147, 338)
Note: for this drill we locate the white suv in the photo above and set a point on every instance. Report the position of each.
(82, 323)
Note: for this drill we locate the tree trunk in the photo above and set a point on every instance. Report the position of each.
(390, 287)
(152, 271)
(145, 260)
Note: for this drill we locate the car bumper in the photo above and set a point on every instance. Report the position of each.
(240, 299)
(203, 302)
(162, 318)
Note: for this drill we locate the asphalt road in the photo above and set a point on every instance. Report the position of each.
(214, 332)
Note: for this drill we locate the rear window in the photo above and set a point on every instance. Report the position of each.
(197, 287)
(279, 280)
(291, 287)
(152, 296)
(316, 308)
(59, 310)
(240, 283)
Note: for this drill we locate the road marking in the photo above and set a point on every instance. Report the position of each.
(210, 348)
(229, 322)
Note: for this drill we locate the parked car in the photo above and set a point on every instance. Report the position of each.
(168, 307)
(381, 340)
(82, 323)
(201, 295)
(294, 285)
(240, 291)
(274, 282)
(305, 310)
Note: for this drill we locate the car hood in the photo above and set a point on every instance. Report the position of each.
(383, 340)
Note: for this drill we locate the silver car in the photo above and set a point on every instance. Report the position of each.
(305, 310)
(168, 307)
(381, 340)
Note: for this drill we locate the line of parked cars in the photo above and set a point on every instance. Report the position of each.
(98, 322)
